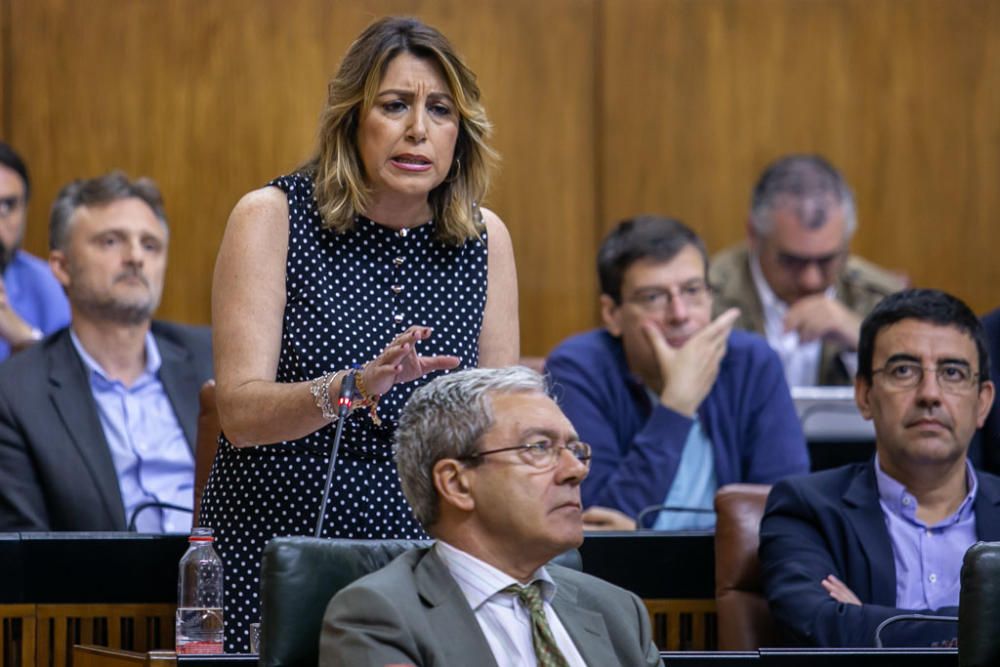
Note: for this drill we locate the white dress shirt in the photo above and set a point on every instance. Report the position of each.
(506, 624)
(800, 360)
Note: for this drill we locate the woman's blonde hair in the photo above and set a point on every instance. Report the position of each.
(337, 169)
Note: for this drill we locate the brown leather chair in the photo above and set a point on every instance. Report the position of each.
(206, 442)
(745, 622)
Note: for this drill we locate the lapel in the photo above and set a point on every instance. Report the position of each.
(864, 515)
(457, 634)
(180, 382)
(737, 289)
(585, 627)
(987, 506)
(69, 391)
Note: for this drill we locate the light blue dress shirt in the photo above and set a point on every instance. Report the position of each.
(928, 559)
(694, 485)
(151, 455)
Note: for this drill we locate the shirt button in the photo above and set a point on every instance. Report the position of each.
(906, 501)
(396, 289)
(403, 232)
(932, 578)
(398, 318)
(397, 261)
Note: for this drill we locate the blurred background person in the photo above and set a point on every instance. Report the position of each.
(101, 417)
(375, 253)
(795, 280)
(674, 404)
(32, 303)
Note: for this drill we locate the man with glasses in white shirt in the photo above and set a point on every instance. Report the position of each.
(844, 550)
(674, 404)
(794, 280)
(492, 469)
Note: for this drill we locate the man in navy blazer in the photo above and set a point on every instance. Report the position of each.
(843, 550)
(674, 404)
(100, 418)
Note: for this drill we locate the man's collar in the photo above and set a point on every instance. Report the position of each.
(480, 581)
(153, 358)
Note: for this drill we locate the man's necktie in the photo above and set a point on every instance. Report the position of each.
(546, 651)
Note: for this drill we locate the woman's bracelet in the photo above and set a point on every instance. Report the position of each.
(320, 390)
(367, 400)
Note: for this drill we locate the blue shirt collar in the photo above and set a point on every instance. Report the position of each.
(898, 500)
(153, 358)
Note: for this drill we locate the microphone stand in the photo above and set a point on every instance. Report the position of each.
(646, 511)
(343, 409)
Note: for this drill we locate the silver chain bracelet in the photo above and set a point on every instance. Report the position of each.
(320, 390)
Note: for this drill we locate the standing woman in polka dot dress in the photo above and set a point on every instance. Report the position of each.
(375, 253)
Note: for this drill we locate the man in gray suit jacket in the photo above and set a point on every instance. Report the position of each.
(492, 469)
(100, 418)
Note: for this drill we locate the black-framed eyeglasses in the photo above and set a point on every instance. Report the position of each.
(10, 204)
(799, 263)
(953, 377)
(659, 299)
(541, 454)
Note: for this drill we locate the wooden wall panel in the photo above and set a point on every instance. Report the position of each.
(214, 98)
(901, 94)
(602, 108)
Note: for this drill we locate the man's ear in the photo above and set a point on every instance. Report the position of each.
(453, 482)
(987, 394)
(753, 238)
(59, 265)
(862, 388)
(611, 315)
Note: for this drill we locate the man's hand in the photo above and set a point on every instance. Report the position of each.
(839, 591)
(689, 371)
(13, 329)
(819, 317)
(605, 518)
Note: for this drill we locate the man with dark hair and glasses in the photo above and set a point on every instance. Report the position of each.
(794, 280)
(674, 404)
(845, 549)
(492, 469)
(32, 303)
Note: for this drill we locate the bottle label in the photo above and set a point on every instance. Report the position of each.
(199, 648)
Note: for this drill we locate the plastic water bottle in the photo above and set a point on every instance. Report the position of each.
(199, 596)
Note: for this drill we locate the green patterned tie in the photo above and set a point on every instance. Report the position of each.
(546, 650)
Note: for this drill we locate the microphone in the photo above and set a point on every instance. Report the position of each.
(646, 511)
(141, 507)
(909, 617)
(344, 401)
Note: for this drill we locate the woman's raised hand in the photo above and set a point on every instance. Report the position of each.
(399, 362)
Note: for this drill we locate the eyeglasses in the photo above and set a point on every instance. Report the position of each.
(657, 300)
(799, 263)
(542, 454)
(952, 377)
(10, 204)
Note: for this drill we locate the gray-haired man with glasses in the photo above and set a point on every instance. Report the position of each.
(492, 469)
(845, 549)
(674, 403)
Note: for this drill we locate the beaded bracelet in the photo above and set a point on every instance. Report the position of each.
(320, 390)
(367, 400)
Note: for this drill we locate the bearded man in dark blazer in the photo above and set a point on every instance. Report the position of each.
(99, 419)
(492, 469)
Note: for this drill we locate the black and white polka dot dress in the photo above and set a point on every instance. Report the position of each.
(348, 296)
